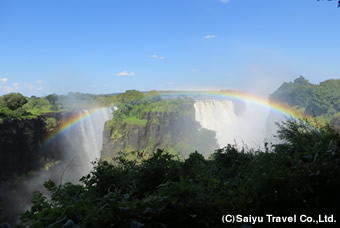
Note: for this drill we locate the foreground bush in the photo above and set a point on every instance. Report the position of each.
(299, 176)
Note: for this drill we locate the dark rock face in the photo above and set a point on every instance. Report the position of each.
(20, 141)
(172, 131)
(20, 152)
(21, 145)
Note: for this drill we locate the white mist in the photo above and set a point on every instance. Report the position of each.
(247, 127)
(82, 144)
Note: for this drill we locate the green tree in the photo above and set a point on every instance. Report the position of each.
(297, 93)
(322, 101)
(14, 100)
(131, 96)
(153, 95)
(52, 98)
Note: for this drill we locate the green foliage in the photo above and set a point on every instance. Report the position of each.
(38, 105)
(322, 101)
(14, 100)
(336, 121)
(325, 100)
(53, 100)
(76, 101)
(16, 106)
(297, 93)
(130, 96)
(135, 121)
(301, 175)
(50, 124)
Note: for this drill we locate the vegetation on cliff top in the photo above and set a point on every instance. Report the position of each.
(16, 106)
(321, 101)
(299, 176)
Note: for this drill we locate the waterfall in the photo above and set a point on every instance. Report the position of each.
(232, 126)
(76, 148)
(82, 144)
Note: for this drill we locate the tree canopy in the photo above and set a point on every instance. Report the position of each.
(14, 100)
(322, 101)
(299, 176)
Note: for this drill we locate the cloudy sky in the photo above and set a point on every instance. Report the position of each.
(111, 46)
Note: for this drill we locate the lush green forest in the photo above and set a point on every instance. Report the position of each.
(17, 106)
(299, 176)
(321, 101)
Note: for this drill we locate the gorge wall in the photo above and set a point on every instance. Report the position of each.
(21, 143)
(205, 125)
(175, 131)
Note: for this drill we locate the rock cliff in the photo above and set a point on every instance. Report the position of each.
(174, 131)
(21, 144)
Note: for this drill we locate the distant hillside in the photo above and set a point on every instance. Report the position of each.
(321, 101)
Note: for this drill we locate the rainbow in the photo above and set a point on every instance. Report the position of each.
(223, 94)
(73, 120)
(241, 96)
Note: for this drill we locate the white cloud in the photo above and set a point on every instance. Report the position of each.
(9, 89)
(209, 36)
(225, 1)
(4, 80)
(39, 81)
(157, 57)
(125, 73)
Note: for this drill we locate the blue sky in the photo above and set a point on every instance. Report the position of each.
(111, 46)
